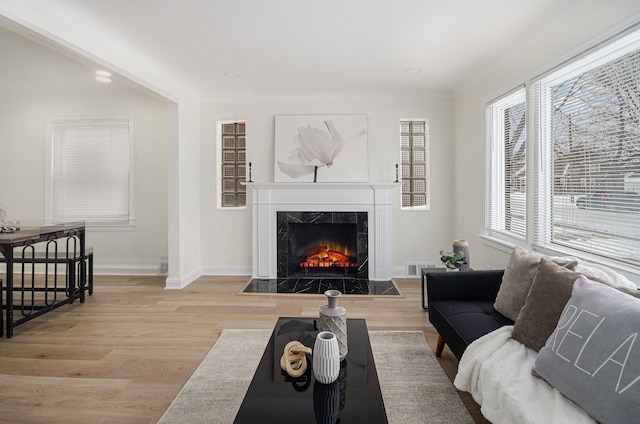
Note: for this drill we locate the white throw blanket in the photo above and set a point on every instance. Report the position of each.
(496, 370)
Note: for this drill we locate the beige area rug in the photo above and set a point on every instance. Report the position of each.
(414, 386)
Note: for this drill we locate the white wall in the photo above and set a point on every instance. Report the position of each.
(22, 179)
(226, 234)
(558, 40)
(184, 193)
(105, 49)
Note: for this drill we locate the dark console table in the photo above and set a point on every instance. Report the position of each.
(274, 397)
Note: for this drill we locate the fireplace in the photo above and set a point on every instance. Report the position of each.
(322, 244)
(274, 204)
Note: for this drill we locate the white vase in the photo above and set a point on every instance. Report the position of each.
(326, 358)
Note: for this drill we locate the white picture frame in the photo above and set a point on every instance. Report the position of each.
(324, 148)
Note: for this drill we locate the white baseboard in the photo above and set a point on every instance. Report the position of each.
(402, 272)
(126, 270)
(182, 282)
(227, 270)
(209, 270)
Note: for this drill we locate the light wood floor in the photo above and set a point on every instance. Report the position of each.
(124, 355)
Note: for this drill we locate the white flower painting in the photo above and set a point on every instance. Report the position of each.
(321, 148)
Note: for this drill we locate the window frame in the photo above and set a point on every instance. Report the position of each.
(425, 162)
(545, 234)
(219, 151)
(540, 152)
(496, 203)
(126, 224)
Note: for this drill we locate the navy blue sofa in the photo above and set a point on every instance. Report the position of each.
(461, 307)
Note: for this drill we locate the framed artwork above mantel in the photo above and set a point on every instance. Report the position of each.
(321, 148)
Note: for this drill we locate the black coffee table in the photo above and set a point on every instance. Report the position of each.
(274, 397)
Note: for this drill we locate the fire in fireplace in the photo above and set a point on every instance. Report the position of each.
(323, 249)
(326, 255)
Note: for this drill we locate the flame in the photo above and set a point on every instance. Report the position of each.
(326, 255)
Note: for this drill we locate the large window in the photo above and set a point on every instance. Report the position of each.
(586, 144)
(590, 116)
(506, 118)
(233, 168)
(414, 151)
(89, 173)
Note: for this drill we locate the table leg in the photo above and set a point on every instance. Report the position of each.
(1, 310)
(423, 283)
(8, 255)
(82, 267)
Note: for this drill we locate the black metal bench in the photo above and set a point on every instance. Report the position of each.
(46, 268)
(28, 288)
(33, 296)
(71, 259)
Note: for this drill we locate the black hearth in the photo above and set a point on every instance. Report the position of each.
(318, 286)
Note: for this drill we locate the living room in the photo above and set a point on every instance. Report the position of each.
(179, 235)
(178, 223)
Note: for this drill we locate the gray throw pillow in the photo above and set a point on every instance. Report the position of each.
(548, 295)
(593, 355)
(517, 279)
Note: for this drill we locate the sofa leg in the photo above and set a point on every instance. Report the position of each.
(439, 346)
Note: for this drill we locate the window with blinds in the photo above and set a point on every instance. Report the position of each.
(414, 152)
(506, 119)
(570, 144)
(90, 170)
(590, 120)
(233, 164)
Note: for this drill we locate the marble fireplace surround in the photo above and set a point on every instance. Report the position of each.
(269, 198)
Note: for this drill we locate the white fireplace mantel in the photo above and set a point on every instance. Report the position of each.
(374, 198)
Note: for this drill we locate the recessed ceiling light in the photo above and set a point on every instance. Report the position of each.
(103, 73)
(412, 71)
(103, 79)
(231, 74)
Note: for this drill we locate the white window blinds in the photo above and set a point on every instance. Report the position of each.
(590, 121)
(506, 119)
(91, 170)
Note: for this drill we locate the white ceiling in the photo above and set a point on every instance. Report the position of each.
(282, 48)
(31, 71)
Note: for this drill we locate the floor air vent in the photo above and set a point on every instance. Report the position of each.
(414, 268)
